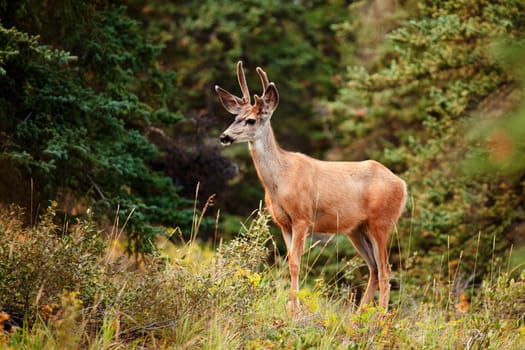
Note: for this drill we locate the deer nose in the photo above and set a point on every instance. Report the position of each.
(226, 139)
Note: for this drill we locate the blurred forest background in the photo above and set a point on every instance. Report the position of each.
(108, 107)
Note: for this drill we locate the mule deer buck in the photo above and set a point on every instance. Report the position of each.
(362, 200)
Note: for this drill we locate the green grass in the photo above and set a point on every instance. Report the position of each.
(195, 296)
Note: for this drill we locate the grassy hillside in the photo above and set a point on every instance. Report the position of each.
(74, 288)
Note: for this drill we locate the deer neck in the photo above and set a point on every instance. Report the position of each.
(269, 159)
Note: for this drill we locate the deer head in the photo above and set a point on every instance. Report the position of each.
(250, 119)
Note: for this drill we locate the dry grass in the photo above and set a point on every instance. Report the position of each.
(83, 292)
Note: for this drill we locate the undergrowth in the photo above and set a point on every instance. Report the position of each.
(72, 287)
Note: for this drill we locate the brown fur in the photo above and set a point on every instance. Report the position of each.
(362, 200)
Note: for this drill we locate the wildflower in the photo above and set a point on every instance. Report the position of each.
(4, 316)
(255, 279)
(241, 273)
(463, 305)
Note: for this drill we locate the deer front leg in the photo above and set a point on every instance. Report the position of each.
(294, 262)
(287, 236)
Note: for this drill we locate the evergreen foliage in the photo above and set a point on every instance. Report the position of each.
(72, 112)
(433, 78)
(290, 40)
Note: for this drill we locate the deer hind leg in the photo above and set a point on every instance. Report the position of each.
(295, 251)
(364, 247)
(379, 235)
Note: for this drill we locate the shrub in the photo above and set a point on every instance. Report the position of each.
(430, 80)
(72, 115)
(64, 291)
(177, 301)
(39, 264)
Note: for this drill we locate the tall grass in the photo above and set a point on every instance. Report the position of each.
(85, 293)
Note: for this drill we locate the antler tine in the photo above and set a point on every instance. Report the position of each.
(242, 83)
(264, 78)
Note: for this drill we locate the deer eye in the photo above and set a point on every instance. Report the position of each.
(250, 121)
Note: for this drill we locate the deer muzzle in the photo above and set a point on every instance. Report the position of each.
(226, 140)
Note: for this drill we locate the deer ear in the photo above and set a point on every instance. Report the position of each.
(270, 99)
(231, 103)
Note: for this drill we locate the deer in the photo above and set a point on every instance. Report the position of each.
(360, 199)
